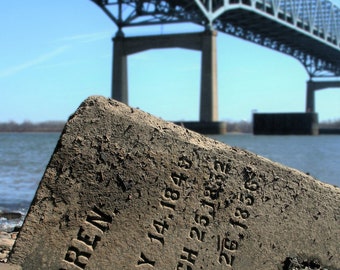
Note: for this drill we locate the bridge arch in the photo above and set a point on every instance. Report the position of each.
(202, 41)
(313, 86)
(328, 109)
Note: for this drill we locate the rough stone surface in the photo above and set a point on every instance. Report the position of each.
(125, 190)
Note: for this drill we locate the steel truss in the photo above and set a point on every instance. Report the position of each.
(308, 30)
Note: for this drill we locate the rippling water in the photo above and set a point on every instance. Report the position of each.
(24, 157)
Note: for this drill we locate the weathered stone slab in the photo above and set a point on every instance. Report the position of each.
(124, 190)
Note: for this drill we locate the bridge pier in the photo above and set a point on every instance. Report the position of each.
(203, 41)
(120, 70)
(294, 123)
(209, 99)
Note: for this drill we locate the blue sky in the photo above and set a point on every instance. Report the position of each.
(54, 54)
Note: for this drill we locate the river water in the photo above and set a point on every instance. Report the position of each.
(24, 157)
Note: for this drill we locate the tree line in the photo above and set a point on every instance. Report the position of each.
(57, 126)
(330, 124)
(27, 126)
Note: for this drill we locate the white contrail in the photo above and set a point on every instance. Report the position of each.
(85, 38)
(40, 59)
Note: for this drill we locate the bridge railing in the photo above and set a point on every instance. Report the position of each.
(318, 17)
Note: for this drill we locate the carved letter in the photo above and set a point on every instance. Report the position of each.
(77, 257)
(99, 219)
(190, 255)
(144, 260)
(88, 239)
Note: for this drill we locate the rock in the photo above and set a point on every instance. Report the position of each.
(10, 215)
(125, 190)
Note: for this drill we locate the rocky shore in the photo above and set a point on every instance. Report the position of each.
(8, 236)
(6, 244)
(7, 240)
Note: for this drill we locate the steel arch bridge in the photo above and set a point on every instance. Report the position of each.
(308, 30)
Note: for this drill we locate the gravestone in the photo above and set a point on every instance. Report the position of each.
(125, 190)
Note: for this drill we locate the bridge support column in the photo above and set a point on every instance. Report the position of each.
(310, 100)
(208, 99)
(120, 69)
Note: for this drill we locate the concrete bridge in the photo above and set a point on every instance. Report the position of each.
(308, 30)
